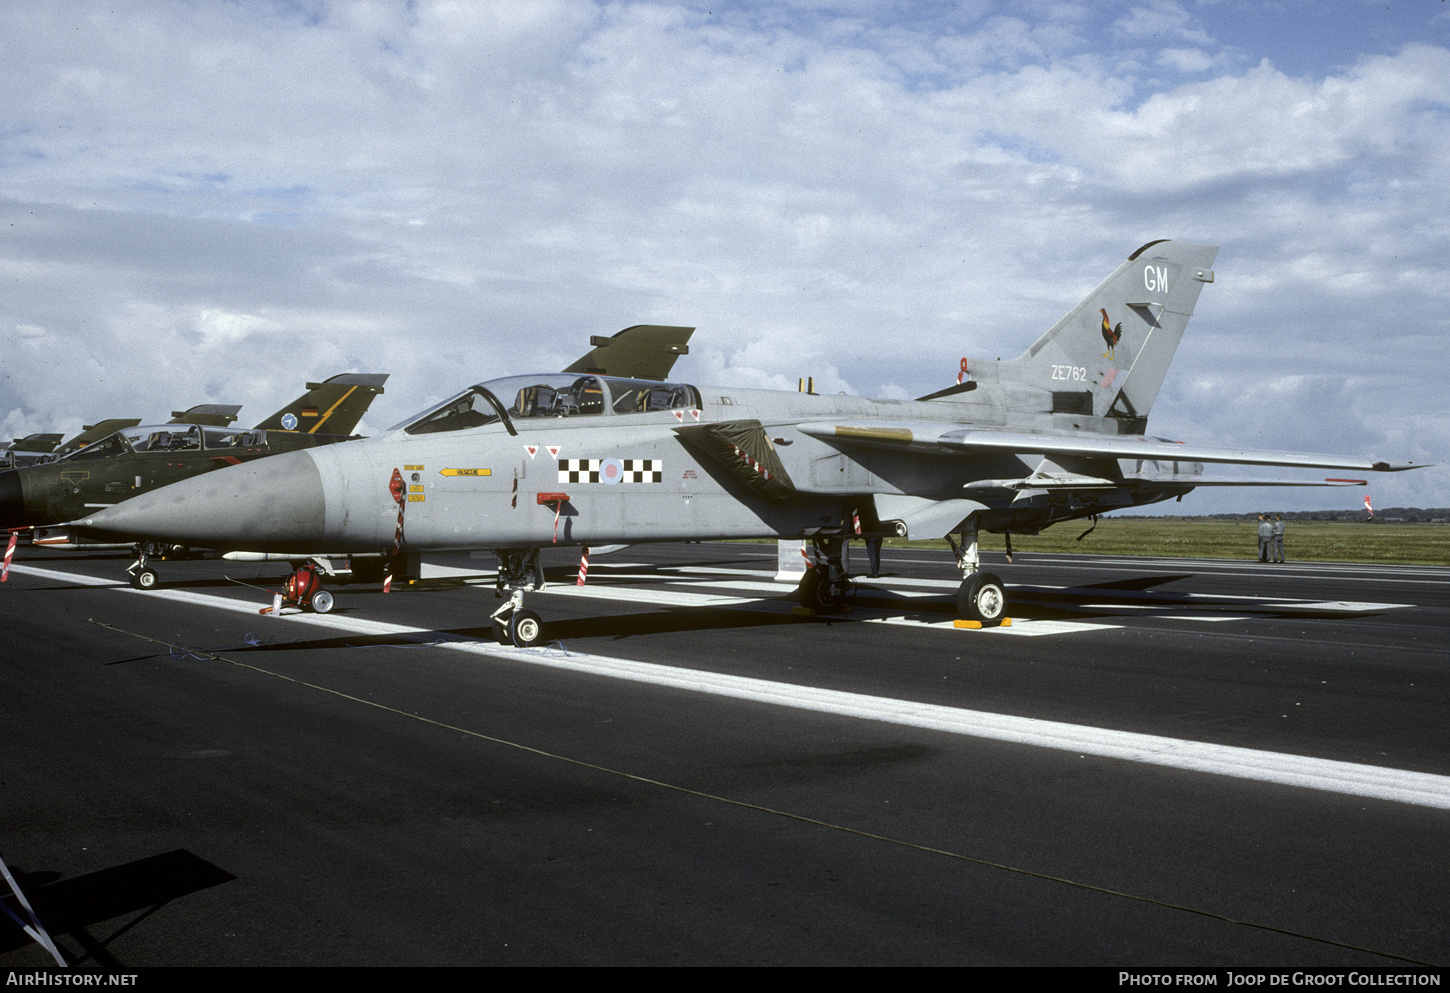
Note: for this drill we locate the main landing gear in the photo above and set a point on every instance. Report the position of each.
(825, 585)
(519, 571)
(981, 597)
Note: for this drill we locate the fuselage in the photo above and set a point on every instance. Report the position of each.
(529, 463)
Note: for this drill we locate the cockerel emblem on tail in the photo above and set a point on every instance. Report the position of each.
(1112, 334)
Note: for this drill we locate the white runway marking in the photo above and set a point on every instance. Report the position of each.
(1424, 789)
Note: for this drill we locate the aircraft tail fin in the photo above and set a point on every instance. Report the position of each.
(332, 407)
(645, 351)
(216, 415)
(1109, 355)
(37, 442)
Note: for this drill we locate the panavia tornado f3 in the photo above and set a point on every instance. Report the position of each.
(515, 465)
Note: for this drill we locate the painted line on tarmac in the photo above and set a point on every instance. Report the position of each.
(1419, 788)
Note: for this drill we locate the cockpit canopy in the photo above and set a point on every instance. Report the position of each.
(560, 395)
(169, 438)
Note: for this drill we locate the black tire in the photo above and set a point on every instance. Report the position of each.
(816, 593)
(145, 579)
(526, 629)
(322, 601)
(982, 597)
(501, 633)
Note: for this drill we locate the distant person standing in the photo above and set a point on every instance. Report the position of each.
(1278, 537)
(1266, 537)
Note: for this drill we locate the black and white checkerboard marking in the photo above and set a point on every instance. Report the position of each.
(611, 471)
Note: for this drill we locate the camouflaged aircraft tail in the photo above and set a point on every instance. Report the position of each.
(215, 415)
(1108, 356)
(333, 407)
(645, 351)
(37, 443)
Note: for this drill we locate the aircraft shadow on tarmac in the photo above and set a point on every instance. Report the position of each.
(616, 626)
(1139, 596)
(70, 907)
(1136, 597)
(1117, 600)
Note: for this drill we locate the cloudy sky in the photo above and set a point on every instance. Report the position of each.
(214, 202)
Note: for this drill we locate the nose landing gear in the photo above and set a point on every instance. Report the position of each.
(143, 577)
(519, 571)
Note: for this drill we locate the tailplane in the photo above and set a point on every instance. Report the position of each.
(1109, 355)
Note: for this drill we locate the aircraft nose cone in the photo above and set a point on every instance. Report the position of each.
(12, 500)
(270, 504)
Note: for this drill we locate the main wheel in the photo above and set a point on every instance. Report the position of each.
(144, 579)
(322, 601)
(525, 628)
(817, 594)
(982, 598)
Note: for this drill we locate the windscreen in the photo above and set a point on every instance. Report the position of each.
(472, 408)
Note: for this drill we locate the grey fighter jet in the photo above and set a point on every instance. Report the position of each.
(517, 464)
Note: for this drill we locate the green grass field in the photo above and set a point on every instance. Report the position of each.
(1304, 541)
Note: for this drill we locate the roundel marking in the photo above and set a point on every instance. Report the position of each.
(610, 471)
(289, 421)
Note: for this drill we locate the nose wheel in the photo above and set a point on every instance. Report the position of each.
(513, 625)
(142, 576)
(526, 629)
